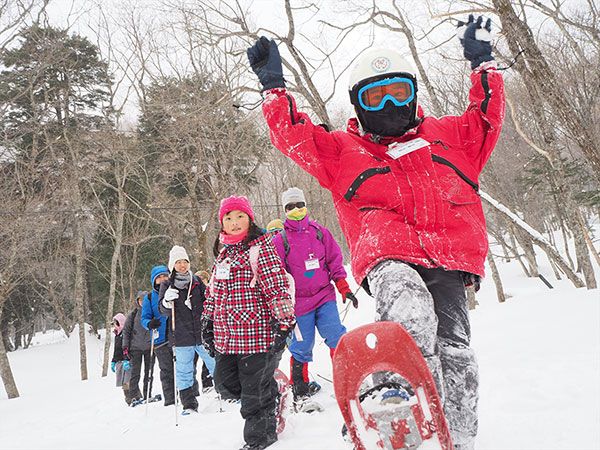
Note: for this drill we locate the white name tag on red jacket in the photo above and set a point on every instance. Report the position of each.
(398, 149)
(223, 271)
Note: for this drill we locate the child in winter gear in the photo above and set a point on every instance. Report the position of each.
(136, 343)
(247, 317)
(405, 190)
(185, 292)
(152, 319)
(120, 361)
(275, 226)
(313, 257)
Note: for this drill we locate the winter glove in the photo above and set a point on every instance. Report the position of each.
(265, 61)
(113, 366)
(471, 280)
(344, 290)
(126, 352)
(154, 324)
(280, 334)
(126, 366)
(208, 336)
(476, 40)
(171, 295)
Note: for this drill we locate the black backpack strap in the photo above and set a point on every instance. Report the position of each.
(286, 243)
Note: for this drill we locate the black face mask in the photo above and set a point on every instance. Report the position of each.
(392, 120)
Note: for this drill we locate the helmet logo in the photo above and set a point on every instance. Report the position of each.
(380, 64)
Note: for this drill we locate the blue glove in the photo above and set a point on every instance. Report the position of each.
(126, 366)
(265, 61)
(476, 40)
(113, 366)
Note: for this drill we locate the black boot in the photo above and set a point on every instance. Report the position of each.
(188, 399)
(299, 379)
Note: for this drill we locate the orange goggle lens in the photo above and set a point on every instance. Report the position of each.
(400, 91)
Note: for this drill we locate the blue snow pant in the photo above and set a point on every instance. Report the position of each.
(185, 364)
(326, 319)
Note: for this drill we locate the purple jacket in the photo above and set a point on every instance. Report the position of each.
(313, 287)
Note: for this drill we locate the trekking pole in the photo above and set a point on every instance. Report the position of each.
(174, 362)
(171, 283)
(151, 374)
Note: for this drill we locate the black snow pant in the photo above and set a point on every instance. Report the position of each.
(250, 378)
(431, 305)
(164, 355)
(136, 357)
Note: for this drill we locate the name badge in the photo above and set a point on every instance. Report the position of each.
(398, 149)
(311, 264)
(223, 271)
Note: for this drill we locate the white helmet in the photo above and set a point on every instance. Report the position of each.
(379, 61)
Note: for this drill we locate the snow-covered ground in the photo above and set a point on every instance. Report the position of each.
(539, 356)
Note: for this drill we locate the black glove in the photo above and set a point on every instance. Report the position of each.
(280, 335)
(476, 40)
(208, 336)
(154, 324)
(265, 61)
(471, 280)
(350, 296)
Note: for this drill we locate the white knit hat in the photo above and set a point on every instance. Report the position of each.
(177, 253)
(292, 195)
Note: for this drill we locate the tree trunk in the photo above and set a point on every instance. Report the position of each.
(471, 300)
(527, 246)
(537, 238)
(79, 294)
(5, 371)
(113, 279)
(496, 277)
(541, 81)
(513, 241)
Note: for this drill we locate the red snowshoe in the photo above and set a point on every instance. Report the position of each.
(387, 347)
(285, 396)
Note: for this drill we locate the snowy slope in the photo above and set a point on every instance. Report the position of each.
(539, 356)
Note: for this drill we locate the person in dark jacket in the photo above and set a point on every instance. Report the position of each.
(152, 319)
(136, 344)
(183, 296)
(120, 361)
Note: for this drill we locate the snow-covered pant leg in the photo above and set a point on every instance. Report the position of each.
(401, 296)
(329, 324)
(208, 360)
(302, 350)
(459, 365)
(185, 367)
(259, 397)
(165, 363)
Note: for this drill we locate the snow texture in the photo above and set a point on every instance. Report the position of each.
(402, 296)
(539, 360)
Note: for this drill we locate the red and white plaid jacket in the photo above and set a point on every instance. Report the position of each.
(242, 314)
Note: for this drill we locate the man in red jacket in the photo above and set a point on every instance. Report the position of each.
(405, 188)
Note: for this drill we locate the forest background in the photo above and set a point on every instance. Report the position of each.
(123, 124)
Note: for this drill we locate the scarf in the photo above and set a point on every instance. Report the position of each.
(230, 239)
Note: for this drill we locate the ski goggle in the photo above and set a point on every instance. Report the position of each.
(399, 91)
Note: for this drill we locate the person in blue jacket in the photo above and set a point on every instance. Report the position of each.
(152, 320)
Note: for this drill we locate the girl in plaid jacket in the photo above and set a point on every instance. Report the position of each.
(247, 316)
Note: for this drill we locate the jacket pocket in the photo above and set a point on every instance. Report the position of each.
(362, 178)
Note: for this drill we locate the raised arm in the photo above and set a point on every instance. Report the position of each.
(311, 146)
(478, 129)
